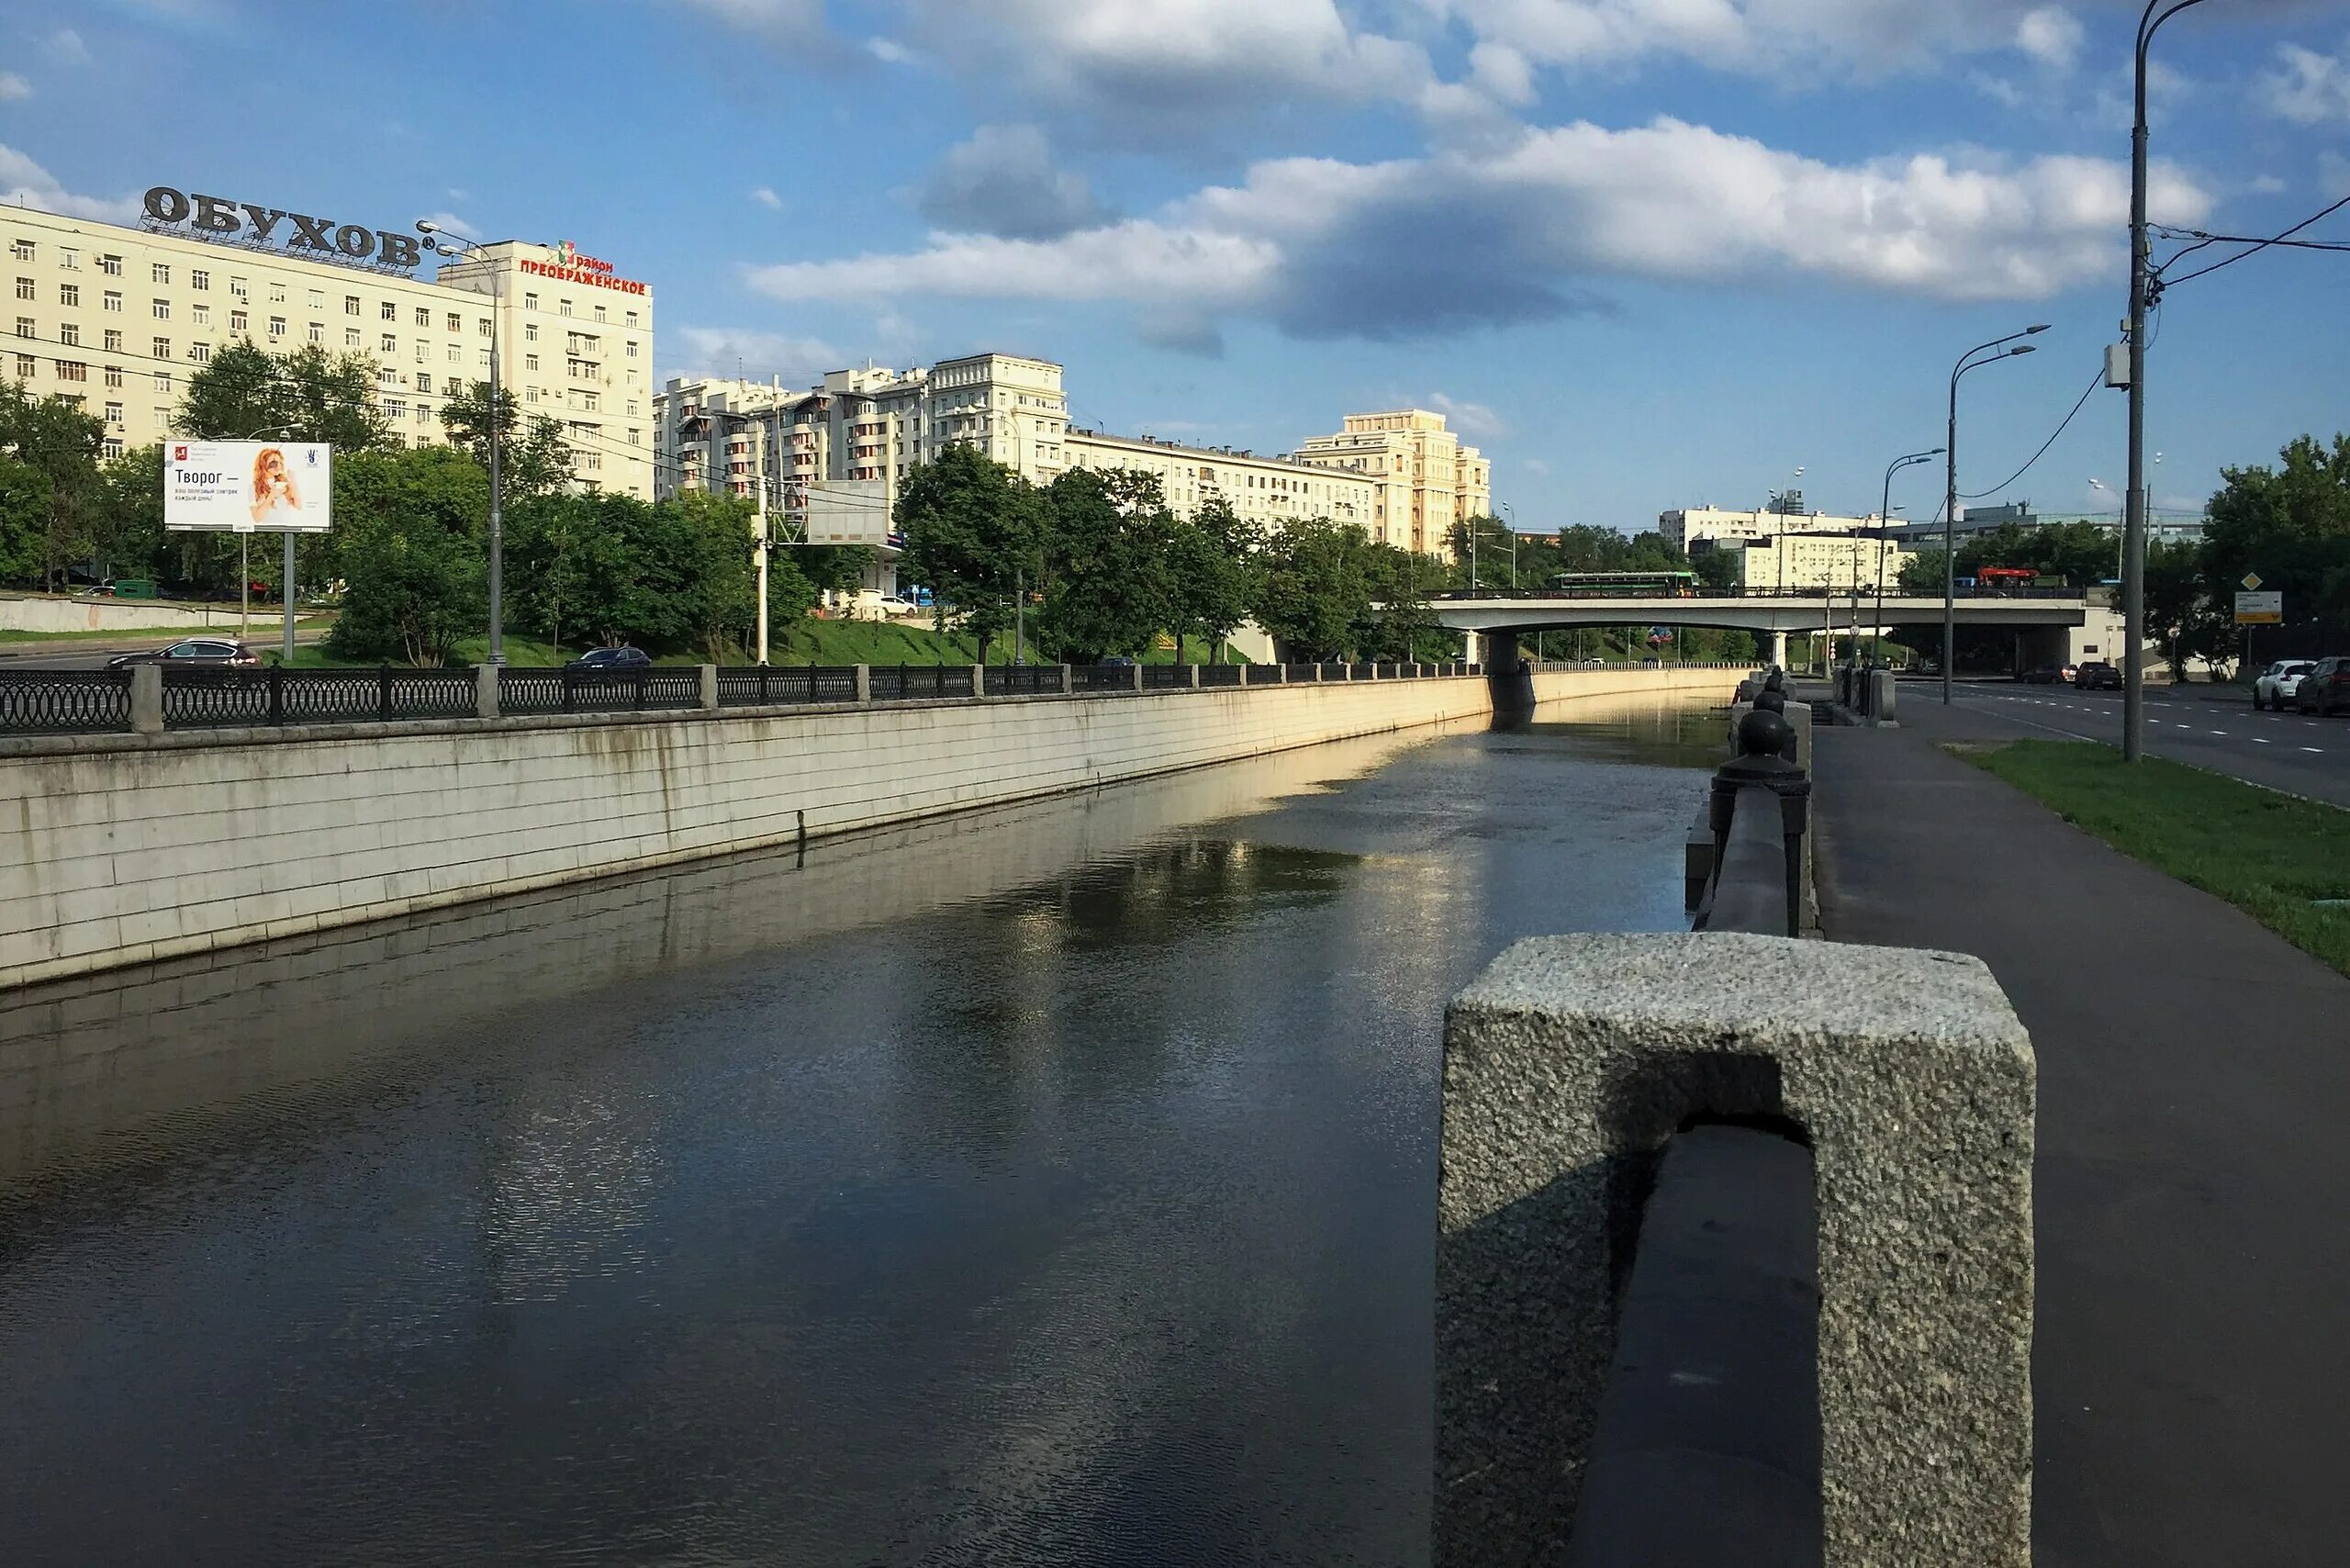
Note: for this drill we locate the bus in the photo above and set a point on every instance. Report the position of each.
(1623, 585)
(2004, 579)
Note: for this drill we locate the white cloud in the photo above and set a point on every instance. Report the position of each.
(2307, 87)
(66, 47)
(453, 224)
(1324, 248)
(2268, 184)
(766, 197)
(890, 51)
(459, 193)
(1003, 182)
(14, 87)
(2332, 175)
(24, 183)
(747, 351)
(780, 21)
(2050, 35)
(1478, 421)
(1998, 89)
(1535, 465)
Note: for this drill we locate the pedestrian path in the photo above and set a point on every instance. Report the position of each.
(2193, 1177)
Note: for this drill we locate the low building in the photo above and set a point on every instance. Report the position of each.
(1426, 481)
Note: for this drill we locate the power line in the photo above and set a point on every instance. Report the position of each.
(1978, 495)
(2256, 246)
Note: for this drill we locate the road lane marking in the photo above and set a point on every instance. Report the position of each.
(2319, 749)
(2260, 740)
(2219, 732)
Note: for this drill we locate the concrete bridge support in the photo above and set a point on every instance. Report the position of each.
(1778, 650)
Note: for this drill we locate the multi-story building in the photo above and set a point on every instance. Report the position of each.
(120, 318)
(1841, 562)
(1425, 483)
(1264, 490)
(1692, 526)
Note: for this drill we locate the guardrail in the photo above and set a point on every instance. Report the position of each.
(154, 698)
(1841, 596)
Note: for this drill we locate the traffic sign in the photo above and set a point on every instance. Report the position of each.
(2260, 609)
(2251, 581)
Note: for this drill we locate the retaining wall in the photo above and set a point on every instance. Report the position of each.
(45, 614)
(118, 849)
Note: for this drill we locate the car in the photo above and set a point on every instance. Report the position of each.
(2046, 675)
(213, 653)
(2279, 683)
(604, 661)
(2325, 688)
(2098, 676)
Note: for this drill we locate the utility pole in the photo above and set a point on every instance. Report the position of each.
(1967, 362)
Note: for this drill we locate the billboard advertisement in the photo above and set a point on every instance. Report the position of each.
(847, 511)
(248, 487)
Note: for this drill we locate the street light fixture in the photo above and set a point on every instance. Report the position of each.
(1885, 524)
(1967, 362)
(2133, 504)
(1513, 544)
(436, 242)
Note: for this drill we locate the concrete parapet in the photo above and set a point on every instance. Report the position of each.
(1797, 714)
(709, 688)
(147, 700)
(865, 682)
(485, 704)
(1568, 1064)
(979, 680)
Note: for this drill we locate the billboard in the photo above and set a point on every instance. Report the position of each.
(248, 487)
(847, 511)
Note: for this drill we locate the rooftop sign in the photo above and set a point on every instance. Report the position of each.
(217, 217)
(570, 266)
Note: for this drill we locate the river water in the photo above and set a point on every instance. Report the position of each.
(1049, 1186)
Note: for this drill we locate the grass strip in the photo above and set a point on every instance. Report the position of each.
(2274, 856)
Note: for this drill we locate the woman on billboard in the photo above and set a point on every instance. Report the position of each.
(272, 485)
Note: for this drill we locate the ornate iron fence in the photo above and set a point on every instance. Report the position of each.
(1303, 672)
(1161, 677)
(64, 702)
(230, 698)
(908, 681)
(1222, 675)
(1023, 680)
(794, 683)
(1104, 677)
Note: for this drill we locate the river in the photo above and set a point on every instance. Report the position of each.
(1047, 1185)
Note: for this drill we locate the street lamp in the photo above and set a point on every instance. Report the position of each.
(759, 510)
(1884, 524)
(1967, 362)
(1513, 544)
(2121, 536)
(2133, 505)
(435, 241)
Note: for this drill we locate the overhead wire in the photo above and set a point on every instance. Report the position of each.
(1977, 495)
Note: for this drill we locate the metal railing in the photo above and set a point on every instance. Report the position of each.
(65, 702)
(901, 682)
(1103, 678)
(1840, 594)
(239, 699)
(1759, 809)
(769, 685)
(1023, 680)
(1163, 678)
(1223, 675)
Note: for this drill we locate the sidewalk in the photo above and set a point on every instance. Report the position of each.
(2193, 1178)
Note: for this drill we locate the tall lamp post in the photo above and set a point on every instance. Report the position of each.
(759, 511)
(1885, 523)
(2134, 530)
(1513, 544)
(1967, 362)
(438, 242)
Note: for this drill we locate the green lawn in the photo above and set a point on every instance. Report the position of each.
(262, 627)
(803, 642)
(2271, 856)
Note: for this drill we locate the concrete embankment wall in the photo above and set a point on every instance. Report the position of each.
(44, 614)
(124, 848)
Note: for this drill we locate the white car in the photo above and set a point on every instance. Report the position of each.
(2280, 683)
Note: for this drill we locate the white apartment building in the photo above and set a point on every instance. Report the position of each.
(1425, 481)
(119, 318)
(1687, 526)
(1264, 490)
(1839, 562)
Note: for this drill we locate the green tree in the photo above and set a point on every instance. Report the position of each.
(1313, 594)
(1213, 573)
(126, 521)
(1921, 574)
(532, 457)
(1402, 627)
(973, 529)
(53, 435)
(24, 520)
(565, 566)
(416, 587)
(245, 393)
(2289, 523)
(833, 568)
(1106, 590)
(702, 543)
(2182, 613)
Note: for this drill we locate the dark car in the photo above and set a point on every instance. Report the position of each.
(2046, 675)
(213, 653)
(2326, 688)
(2098, 676)
(606, 660)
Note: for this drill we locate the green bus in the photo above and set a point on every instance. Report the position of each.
(1623, 585)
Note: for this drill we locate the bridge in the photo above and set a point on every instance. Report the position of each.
(1769, 612)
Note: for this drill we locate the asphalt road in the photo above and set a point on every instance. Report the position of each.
(94, 653)
(2282, 751)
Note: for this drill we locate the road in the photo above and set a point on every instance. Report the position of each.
(93, 654)
(2282, 751)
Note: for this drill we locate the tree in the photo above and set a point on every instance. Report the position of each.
(972, 529)
(534, 459)
(1921, 575)
(1312, 594)
(127, 520)
(245, 393)
(833, 568)
(1396, 581)
(416, 587)
(565, 565)
(55, 437)
(1213, 573)
(24, 520)
(2182, 614)
(2291, 524)
(1106, 588)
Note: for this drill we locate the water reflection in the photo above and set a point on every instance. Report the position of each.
(1049, 1186)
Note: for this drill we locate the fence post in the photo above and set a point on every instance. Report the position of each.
(1068, 679)
(1194, 671)
(709, 688)
(1137, 675)
(864, 683)
(277, 690)
(567, 687)
(979, 680)
(485, 691)
(147, 700)
(384, 693)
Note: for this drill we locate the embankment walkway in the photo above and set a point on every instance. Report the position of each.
(2192, 1198)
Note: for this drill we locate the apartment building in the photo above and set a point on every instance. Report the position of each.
(1425, 481)
(119, 318)
(1839, 561)
(1690, 526)
(1265, 490)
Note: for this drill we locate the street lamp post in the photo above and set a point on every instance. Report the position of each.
(758, 515)
(1967, 362)
(440, 245)
(2133, 504)
(1883, 522)
(1513, 544)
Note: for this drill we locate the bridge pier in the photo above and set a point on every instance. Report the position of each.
(1778, 649)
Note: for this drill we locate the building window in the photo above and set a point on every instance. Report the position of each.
(278, 326)
(599, 313)
(163, 382)
(423, 351)
(318, 299)
(113, 411)
(27, 289)
(529, 395)
(159, 348)
(26, 365)
(457, 322)
(397, 408)
(484, 326)
(563, 309)
(114, 376)
(530, 360)
(278, 293)
(424, 381)
(530, 301)
(457, 355)
(530, 328)
(423, 316)
(26, 327)
(386, 376)
(391, 343)
(636, 438)
(72, 370)
(351, 305)
(198, 279)
(70, 335)
(110, 447)
(113, 300)
(69, 259)
(350, 337)
(423, 415)
(160, 310)
(632, 318)
(202, 314)
(483, 359)
(22, 250)
(199, 353)
(110, 265)
(391, 311)
(239, 321)
(69, 294)
(631, 408)
(239, 288)
(318, 331)
(113, 340)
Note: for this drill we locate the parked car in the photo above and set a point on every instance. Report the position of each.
(216, 653)
(2098, 676)
(2279, 683)
(2325, 688)
(604, 661)
(2046, 675)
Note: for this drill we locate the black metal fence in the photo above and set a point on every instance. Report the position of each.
(37, 702)
(65, 702)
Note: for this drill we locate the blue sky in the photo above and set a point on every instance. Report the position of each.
(1647, 252)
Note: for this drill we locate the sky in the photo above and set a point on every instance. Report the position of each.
(1645, 253)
